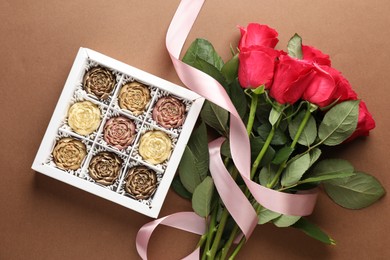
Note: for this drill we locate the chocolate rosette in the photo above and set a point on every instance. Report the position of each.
(84, 117)
(169, 112)
(119, 132)
(141, 182)
(69, 153)
(155, 147)
(104, 168)
(99, 82)
(134, 97)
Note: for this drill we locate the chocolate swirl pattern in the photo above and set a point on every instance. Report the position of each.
(99, 82)
(84, 117)
(119, 132)
(69, 153)
(134, 97)
(141, 182)
(155, 147)
(105, 167)
(169, 112)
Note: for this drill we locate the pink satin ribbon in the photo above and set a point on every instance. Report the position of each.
(233, 198)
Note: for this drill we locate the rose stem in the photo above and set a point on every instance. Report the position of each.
(225, 214)
(255, 165)
(302, 126)
(252, 112)
(211, 231)
(281, 167)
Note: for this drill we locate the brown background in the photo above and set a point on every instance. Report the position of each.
(42, 218)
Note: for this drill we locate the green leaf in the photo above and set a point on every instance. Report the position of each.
(286, 220)
(279, 137)
(225, 149)
(202, 197)
(238, 98)
(230, 69)
(274, 116)
(179, 188)
(209, 69)
(193, 167)
(355, 192)
(314, 155)
(339, 122)
(309, 133)
(198, 144)
(189, 176)
(294, 47)
(313, 231)
(266, 215)
(204, 50)
(326, 177)
(267, 173)
(215, 116)
(330, 167)
(295, 170)
(282, 155)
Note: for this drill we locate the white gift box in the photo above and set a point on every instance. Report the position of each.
(58, 128)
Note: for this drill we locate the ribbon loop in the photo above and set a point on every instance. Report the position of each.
(233, 198)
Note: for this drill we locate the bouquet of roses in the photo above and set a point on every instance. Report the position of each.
(293, 104)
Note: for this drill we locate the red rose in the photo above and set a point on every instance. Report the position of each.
(328, 86)
(292, 76)
(314, 55)
(256, 66)
(343, 90)
(257, 34)
(322, 87)
(365, 123)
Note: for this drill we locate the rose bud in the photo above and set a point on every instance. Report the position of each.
(100, 82)
(84, 117)
(365, 122)
(119, 132)
(134, 97)
(292, 76)
(155, 147)
(141, 182)
(257, 34)
(169, 112)
(104, 168)
(256, 66)
(327, 87)
(314, 55)
(69, 153)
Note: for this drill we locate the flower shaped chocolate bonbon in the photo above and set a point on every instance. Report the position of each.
(169, 112)
(119, 132)
(105, 167)
(135, 97)
(69, 153)
(84, 117)
(99, 82)
(155, 147)
(141, 182)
